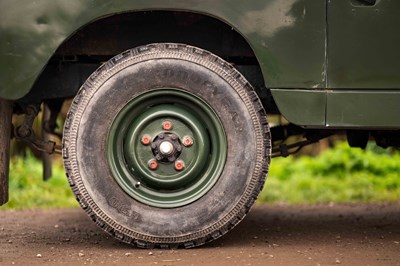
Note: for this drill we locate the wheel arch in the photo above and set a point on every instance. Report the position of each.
(92, 42)
(184, 20)
(83, 51)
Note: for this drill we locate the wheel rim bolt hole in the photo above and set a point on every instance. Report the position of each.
(187, 141)
(179, 165)
(167, 125)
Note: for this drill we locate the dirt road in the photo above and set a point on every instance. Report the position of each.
(344, 234)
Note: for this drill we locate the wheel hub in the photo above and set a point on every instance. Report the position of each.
(166, 147)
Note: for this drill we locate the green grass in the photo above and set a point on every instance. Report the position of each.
(341, 174)
(28, 190)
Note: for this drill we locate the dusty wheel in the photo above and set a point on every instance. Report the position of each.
(166, 145)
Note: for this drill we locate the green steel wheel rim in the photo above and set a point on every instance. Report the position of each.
(165, 166)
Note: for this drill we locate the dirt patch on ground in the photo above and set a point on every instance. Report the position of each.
(347, 234)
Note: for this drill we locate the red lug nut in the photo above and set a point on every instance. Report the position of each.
(167, 125)
(153, 164)
(146, 139)
(179, 165)
(187, 141)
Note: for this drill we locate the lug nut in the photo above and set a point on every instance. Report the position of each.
(179, 165)
(153, 164)
(167, 125)
(187, 141)
(146, 139)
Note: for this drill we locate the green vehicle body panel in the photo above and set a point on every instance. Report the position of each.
(363, 46)
(302, 105)
(313, 53)
(32, 31)
(368, 109)
(343, 109)
(363, 71)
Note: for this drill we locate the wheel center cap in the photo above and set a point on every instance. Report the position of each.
(166, 148)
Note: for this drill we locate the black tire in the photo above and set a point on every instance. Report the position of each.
(155, 67)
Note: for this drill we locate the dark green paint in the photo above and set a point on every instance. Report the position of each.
(363, 47)
(363, 108)
(374, 109)
(300, 106)
(166, 187)
(363, 62)
(149, 122)
(287, 35)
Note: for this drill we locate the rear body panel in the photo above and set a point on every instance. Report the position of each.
(363, 64)
(363, 45)
(363, 70)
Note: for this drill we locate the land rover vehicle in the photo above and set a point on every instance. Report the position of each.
(166, 143)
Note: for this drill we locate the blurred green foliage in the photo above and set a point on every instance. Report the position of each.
(28, 190)
(340, 174)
